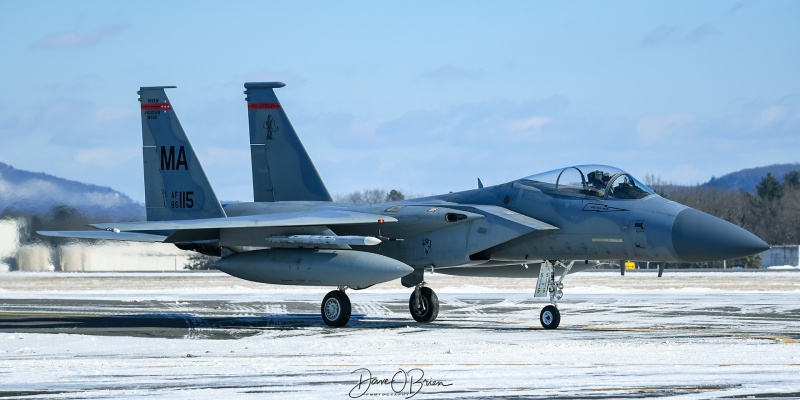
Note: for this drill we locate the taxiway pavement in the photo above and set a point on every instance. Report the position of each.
(207, 335)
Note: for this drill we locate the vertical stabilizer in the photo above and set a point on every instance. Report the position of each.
(175, 185)
(282, 169)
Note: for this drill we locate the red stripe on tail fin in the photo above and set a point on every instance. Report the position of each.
(156, 106)
(264, 106)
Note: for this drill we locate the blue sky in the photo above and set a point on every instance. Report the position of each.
(415, 96)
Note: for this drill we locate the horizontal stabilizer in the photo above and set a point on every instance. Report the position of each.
(105, 235)
(305, 218)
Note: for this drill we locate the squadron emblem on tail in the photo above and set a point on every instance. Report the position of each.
(271, 126)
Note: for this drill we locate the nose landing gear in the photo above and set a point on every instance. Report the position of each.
(546, 284)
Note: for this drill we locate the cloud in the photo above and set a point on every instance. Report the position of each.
(793, 97)
(449, 72)
(735, 8)
(655, 128)
(73, 121)
(700, 32)
(110, 114)
(75, 38)
(224, 156)
(776, 119)
(105, 157)
(528, 127)
(675, 34)
(661, 34)
(770, 115)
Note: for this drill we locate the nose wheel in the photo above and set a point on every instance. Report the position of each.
(423, 304)
(550, 317)
(336, 308)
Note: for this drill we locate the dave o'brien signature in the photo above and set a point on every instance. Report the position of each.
(403, 382)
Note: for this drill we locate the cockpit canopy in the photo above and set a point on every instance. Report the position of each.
(590, 180)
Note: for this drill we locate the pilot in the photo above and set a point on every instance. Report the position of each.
(598, 186)
(604, 182)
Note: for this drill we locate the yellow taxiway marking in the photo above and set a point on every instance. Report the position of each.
(781, 339)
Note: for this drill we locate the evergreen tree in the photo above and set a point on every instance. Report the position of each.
(769, 188)
(395, 195)
(792, 180)
(199, 261)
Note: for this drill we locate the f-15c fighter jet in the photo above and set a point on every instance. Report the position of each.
(540, 226)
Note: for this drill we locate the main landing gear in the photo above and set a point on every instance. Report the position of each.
(423, 304)
(550, 317)
(336, 308)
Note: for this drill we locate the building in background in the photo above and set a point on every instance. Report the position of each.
(780, 256)
(84, 256)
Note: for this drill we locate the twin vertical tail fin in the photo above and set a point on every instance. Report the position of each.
(282, 169)
(176, 186)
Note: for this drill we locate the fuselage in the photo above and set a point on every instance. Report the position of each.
(587, 224)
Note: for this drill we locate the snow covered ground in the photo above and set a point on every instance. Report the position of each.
(207, 335)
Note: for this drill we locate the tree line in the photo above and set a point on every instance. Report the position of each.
(772, 212)
(370, 196)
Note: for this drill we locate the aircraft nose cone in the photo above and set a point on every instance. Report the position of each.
(697, 236)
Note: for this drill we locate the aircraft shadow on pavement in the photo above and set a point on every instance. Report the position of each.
(183, 325)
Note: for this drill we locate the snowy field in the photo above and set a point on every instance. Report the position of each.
(207, 335)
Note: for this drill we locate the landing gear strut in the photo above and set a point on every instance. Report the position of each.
(423, 304)
(336, 308)
(550, 317)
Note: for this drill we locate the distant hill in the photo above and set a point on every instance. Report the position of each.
(25, 193)
(747, 179)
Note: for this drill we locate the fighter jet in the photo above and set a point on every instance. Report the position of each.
(536, 227)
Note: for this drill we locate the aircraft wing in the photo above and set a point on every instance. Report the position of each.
(304, 218)
(106, 235)
(206, 229)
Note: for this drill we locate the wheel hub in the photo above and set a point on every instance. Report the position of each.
(332, 309)
(547, 317)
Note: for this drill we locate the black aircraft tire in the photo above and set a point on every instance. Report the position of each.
(429, 305)
(550, 317)
(336, 308)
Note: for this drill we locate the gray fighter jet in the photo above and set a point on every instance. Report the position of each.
(538, 227)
